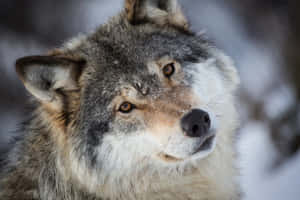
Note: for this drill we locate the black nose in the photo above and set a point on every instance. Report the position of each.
(196, 123)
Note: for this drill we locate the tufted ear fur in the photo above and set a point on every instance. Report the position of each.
(46, 76)
(161, 12)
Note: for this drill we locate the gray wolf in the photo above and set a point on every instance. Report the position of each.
(142, 108)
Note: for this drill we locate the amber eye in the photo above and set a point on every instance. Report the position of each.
(169, 70)
(126, 107)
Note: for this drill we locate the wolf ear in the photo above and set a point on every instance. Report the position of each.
(161, 12)
(44, 76)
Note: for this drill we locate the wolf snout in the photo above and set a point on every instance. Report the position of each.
(196, 123)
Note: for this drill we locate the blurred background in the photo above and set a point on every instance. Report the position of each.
(261, 37)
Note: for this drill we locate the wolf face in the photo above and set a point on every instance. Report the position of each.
(138, 104)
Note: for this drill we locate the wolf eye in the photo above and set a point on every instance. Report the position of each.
(169, 70)
(126, 107)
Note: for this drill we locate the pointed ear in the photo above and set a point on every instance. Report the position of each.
(161, 12)
(44, 76)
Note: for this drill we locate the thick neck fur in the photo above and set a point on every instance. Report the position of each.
(30, 170)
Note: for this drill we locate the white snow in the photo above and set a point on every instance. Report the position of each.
(259, 182)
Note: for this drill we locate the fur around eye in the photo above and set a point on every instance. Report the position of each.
(126, 107)
(169, 70)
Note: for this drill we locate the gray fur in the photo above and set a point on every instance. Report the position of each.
(115, 55)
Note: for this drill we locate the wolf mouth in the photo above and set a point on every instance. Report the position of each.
(206, 145)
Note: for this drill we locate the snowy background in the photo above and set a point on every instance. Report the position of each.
(260, 35)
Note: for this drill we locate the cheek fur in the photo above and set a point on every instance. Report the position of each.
(206, 81)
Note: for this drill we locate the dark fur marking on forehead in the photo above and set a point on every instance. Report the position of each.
(141, 88)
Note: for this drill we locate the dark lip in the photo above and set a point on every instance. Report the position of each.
(206, 144)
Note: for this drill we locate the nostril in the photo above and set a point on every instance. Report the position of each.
(195, 128)
(206, 119)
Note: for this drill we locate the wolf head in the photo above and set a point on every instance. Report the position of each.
(141, 98)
